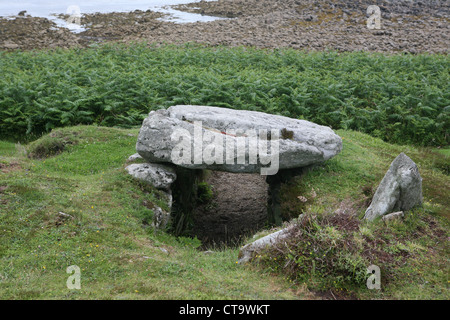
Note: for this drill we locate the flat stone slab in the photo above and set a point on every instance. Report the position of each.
(158, 175)
(248, 252)
(240, 141)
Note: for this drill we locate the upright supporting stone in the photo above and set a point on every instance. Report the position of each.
(274, 201)
(274, 216)
(184, 197)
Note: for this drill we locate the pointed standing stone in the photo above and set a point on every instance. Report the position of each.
(400, 189)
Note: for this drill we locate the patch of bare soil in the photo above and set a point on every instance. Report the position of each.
(238, 208)
(9, 167)
(2, 189)
(335, 295)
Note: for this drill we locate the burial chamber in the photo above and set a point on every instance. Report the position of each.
(239, 158)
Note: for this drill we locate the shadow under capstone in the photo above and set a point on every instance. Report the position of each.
(240, 204)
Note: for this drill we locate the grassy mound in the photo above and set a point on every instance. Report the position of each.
(331, 253)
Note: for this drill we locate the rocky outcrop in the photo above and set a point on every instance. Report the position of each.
(400, 189)
(406, 26)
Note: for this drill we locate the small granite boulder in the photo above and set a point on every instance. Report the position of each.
(134, 157)
(400, 189)
(158, 175)
(160, 218)
(393, 216)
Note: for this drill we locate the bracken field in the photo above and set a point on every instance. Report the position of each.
(399, 98)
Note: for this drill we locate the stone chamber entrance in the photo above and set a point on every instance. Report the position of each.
(236, 208)
(223, 208)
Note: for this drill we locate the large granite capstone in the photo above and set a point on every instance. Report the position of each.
(239, 141)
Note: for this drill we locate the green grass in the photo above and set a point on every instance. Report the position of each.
(122, 257)
(119, 255)
(399, 98)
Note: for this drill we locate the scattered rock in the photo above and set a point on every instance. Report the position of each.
(10, 45)
(62, 218)
(311, 18)
(306, 25)
(134, 157)
(164, 250)
(400, 189)
(65, 215)
(393, 216)
(160, 218)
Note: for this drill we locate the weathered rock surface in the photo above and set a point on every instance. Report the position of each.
(158, 175)
(160, 218)
(201, 137)
(393, 216)
(134, 157)
(400, 189)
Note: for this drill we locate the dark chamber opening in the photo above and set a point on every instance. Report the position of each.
(236, 208)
